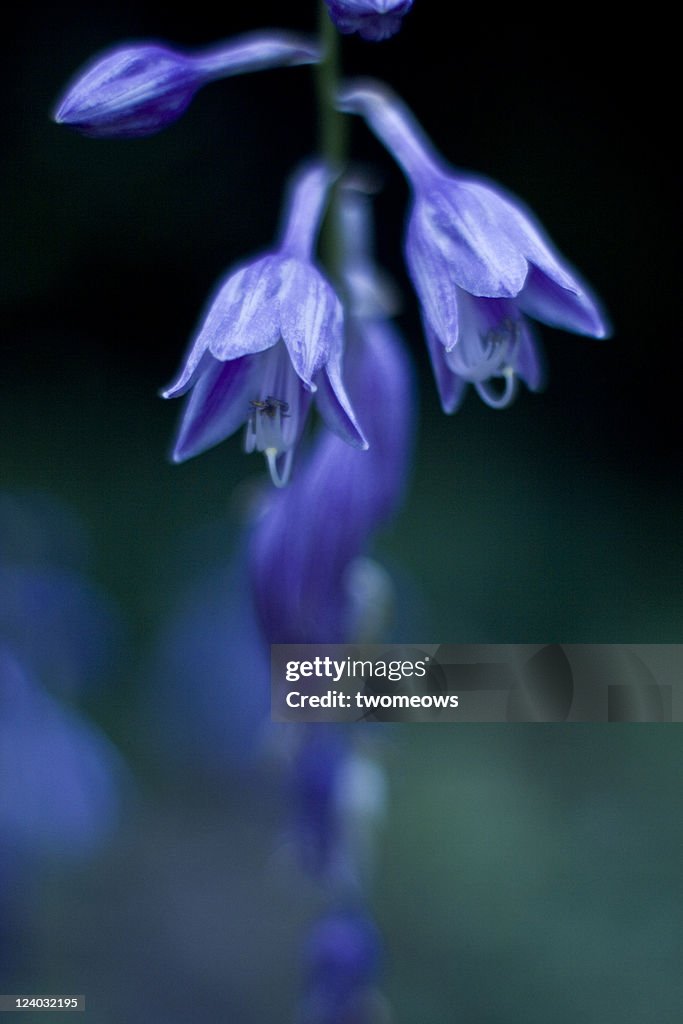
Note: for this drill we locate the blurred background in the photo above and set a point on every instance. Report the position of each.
(524, 872)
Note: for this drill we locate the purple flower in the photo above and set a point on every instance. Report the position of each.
(272, 337)
(342, 959)
(372, 19)
(207, 719)
(80, 631)
(318, 769)
(479, 262)
(304, 552)
(138, 90)
(65, 630)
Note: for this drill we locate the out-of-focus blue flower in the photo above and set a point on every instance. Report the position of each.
(342, 961)
(318, 768)
(210, 693)
(137, 90)
(272, 337)
(480, 263)
(372, 19)
(62, 627)
(370, 292)
(60, 776)
(338, 795)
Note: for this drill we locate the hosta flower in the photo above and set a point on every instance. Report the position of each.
(137, 90)
(372, 19)
(479, 262)
(272, 338)
(310, 548)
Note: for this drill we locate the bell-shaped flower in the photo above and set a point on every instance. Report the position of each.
(273, 337)
(497, 347)
(304, 553)
(371, 19)
(137, 90)
(479, 261)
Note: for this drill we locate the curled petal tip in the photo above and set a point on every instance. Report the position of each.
(604, 328)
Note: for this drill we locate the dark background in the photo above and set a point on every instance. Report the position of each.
(543, 858)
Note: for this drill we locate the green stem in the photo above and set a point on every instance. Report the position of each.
(333, 135)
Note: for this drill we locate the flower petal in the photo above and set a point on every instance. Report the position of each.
(451, 388)
(243, 316)
(195, 363)
(430, 272)
(335, 407)
(217, 407)
(530, 364)
(310, 317)
(465, 225)
(572, 309)
(508, 217)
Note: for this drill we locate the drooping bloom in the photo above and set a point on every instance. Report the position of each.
(137, 90)
(273, 337)
(480, 264)
(303, 549)
(372, 19)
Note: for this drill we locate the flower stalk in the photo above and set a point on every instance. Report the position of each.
(333, 134)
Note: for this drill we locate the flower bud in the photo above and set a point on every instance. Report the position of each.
(137, 90)
(372, 19)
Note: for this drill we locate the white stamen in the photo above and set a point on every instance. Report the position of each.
(498, 400)
(279, 478)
